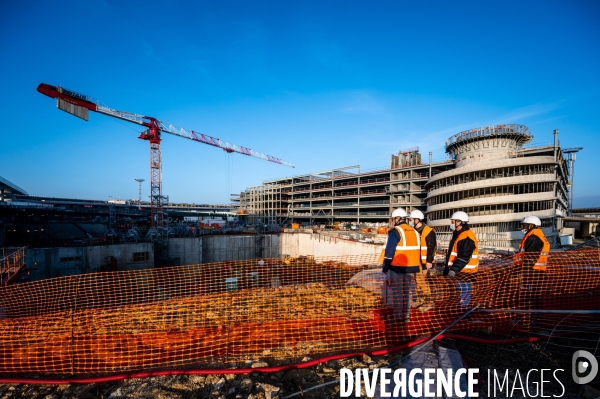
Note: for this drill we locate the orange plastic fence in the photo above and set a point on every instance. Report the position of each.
(268, 309)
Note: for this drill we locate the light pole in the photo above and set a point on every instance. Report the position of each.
(571, 157)
(139, 189)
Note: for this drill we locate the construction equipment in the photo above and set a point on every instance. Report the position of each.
(78, 104)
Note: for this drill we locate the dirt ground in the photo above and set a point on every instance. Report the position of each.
(229, 386)
(213, 386)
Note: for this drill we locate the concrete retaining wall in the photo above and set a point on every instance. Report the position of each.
(185, 251)
(56, 262)
(296, 244)
(66, 261)
(222, 248)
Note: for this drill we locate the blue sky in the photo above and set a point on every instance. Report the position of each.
(320, 84)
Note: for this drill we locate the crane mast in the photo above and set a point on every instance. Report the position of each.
(79, 104)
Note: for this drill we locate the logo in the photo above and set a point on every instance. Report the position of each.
(418, 383)
(581, 367)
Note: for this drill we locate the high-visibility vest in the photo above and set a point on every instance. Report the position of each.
(473, 264)
(408, 250)
(424, 233)
(542, 261)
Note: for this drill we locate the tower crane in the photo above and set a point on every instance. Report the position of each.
(79, 104)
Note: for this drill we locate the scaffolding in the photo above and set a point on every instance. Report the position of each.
(346, 195)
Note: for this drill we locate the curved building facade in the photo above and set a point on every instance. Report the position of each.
(497, 180)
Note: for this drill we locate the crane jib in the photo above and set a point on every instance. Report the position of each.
(205, 139)
(77, 104)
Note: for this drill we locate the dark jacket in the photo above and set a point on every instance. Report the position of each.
(431, 241)
(533, 246)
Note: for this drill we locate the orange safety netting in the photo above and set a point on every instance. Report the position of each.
(270, 309)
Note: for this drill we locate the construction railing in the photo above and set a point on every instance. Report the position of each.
(490, 131)
(278, 309)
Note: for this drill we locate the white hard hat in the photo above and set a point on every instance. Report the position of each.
(460, 215)
(399, 213)
(417, 214)
(532, 220)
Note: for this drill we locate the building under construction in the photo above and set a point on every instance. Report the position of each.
(492, 173)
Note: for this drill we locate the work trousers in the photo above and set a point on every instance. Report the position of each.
(423, 289)
(398, 293)
(464, 291)
(533, 284)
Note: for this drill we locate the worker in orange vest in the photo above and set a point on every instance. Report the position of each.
(401, 259)
(463, 250)
(533, 257)
(428, 243)
(462, 256)
(534, 242)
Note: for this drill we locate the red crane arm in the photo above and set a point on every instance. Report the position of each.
(75, 100)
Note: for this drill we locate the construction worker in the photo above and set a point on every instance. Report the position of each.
(533, 242)
(462, 256)
(463, 250)
(401, 260)
(533, 257)
(428, 244)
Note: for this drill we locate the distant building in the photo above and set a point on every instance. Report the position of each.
(38, 221)
(7, 189)
(498, 181)
(491, 174)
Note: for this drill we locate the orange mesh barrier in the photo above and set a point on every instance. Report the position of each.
(270, 309)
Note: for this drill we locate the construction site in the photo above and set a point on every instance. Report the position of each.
(287, 276)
